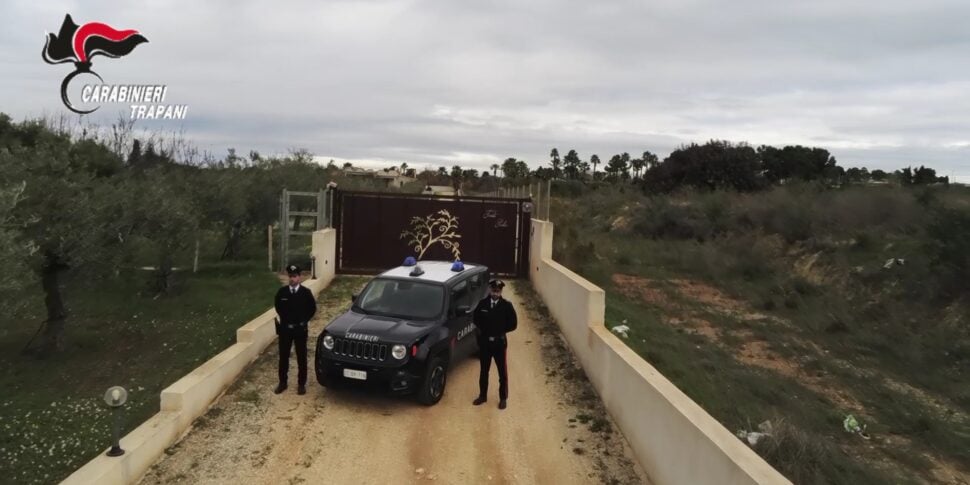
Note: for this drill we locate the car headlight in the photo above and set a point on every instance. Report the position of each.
(328, 342)
(399, 351)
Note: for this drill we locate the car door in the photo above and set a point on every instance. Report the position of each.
(460, 309)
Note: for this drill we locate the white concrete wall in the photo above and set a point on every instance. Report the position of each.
(324, 251)
(190, 397)
(675, 440)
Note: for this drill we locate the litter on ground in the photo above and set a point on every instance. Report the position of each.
(752, 437)
(852, 425)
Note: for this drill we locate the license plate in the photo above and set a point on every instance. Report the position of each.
(355, 374)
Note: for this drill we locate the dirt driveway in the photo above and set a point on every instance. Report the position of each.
(554, 431)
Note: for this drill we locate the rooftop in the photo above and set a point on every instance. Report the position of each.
(437, 271)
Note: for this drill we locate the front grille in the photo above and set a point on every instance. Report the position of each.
(360, 350)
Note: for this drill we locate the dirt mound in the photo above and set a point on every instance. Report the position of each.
(752, 351)
(677, 299)
(637, 287)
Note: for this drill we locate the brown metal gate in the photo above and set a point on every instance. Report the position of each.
(376, 231)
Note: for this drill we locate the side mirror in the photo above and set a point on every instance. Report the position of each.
(463, 309)
(353, 298)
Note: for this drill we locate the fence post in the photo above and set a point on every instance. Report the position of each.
(548, 197)
(331, 189)
(536, 209)
(320, 209)
(284, 228)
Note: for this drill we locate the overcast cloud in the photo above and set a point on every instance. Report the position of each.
(881, 84)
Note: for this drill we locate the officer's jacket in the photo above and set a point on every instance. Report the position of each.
(295, 309)
(495, 322)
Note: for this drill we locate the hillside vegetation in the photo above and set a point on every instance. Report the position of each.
(798, 305)
(97, 288)
(769, 283)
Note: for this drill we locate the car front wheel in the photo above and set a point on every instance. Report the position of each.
(433, 384)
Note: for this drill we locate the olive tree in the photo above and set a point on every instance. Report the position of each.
(67, 209)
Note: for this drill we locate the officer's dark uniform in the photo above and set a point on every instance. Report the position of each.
(494, 318)
(295, 309)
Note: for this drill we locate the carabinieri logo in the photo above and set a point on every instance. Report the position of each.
(79, 44)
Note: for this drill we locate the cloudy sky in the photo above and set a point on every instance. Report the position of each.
(881, 84)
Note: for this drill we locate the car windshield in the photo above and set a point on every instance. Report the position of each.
(402, 299)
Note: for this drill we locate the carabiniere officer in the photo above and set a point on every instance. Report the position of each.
(494, 316)
(295, 306)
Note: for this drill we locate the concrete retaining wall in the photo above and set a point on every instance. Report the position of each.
(190, 397)
(675, 440)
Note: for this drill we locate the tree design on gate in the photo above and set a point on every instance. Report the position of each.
(440, 227)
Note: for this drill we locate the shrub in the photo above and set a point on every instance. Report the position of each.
(752, 256)
(949, 248)
(799, 455)
(862, 209)
(785, 212)
(567, 188)
(662, 219)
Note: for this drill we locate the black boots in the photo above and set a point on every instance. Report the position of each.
(482, 399)
(301, 389)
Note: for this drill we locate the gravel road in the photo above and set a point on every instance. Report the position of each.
(555, 430)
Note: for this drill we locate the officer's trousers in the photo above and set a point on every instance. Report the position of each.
(288, 340)
(496, 350)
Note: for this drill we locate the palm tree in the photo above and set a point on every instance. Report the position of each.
(555, 163)
(595, 160)
(457, 176)
(637, 165)
(649, 160)
(495, 168)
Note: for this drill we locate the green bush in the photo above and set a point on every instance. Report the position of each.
(567, 188)
(780, 211)
(948, 245)
(806, 457)
(879, 209)
(662, 219)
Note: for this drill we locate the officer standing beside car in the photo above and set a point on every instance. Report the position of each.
(295, 306)
(495, 317)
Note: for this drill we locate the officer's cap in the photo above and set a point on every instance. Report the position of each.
(496, 284)
(293, 270)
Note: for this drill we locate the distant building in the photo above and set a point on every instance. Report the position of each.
(392, 177)
(440, 190)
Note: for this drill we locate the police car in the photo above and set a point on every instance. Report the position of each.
(405, 329)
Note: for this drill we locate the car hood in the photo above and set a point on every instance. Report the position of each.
(377, 328)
